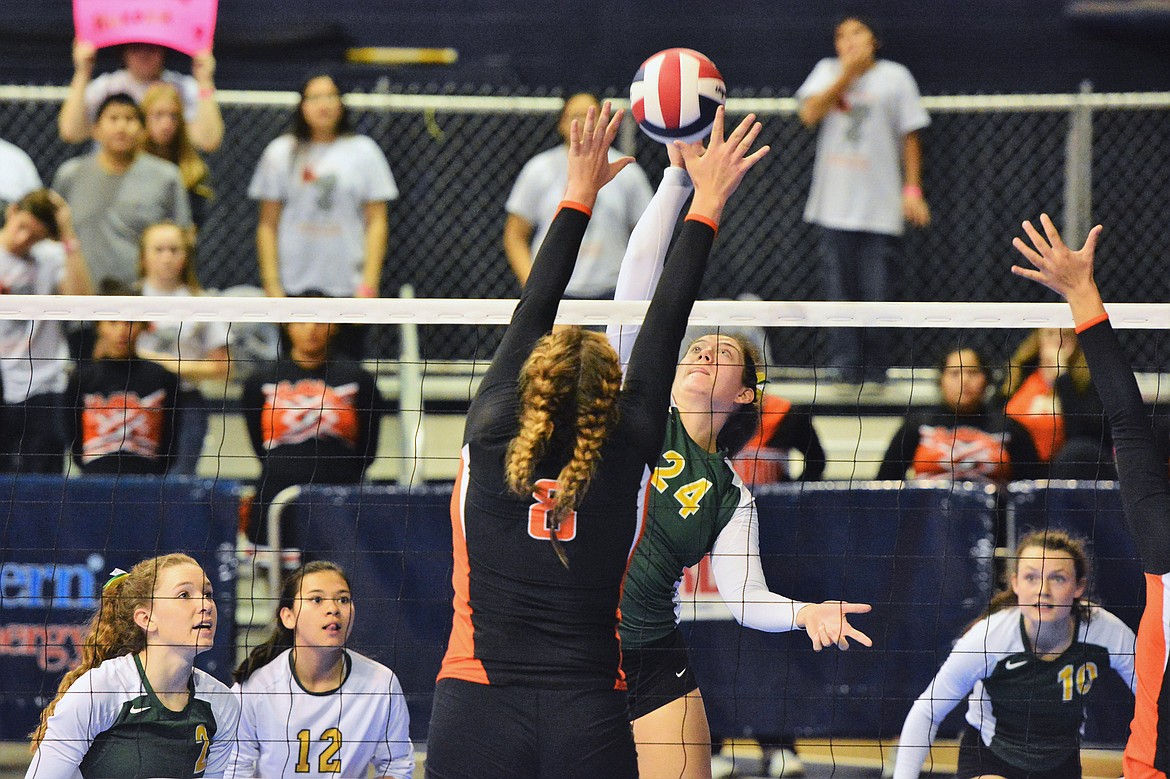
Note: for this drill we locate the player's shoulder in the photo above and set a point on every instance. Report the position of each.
(276, 673)
(116, 674)
(206, 683)
(997, 633)
(368, 672)
(1103, 626)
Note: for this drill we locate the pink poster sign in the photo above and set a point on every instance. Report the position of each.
(184, 25)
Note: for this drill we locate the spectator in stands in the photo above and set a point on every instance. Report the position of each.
(166, 138)
(124, 407)
(18, 174)
(117, 191)
(33, 353)
(193, 351)
(143, 68)
(323, 193)
(1050, 392)
(961, 438)
(536, 196)
(311, 420)
(866, 184)
(784, 428)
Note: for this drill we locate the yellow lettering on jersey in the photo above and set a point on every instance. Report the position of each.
(204, 742)
(674, 466)
(328, 762)
(1086, 675)
(689, 496)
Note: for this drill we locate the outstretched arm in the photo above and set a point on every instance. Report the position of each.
(716, 172)
(1145, 493)
(589, 170)
(646, 252)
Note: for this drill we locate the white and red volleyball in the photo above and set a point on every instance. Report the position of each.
(675, 95)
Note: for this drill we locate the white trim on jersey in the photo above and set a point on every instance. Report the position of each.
(974, 657)
(288, 731)
(93, 703)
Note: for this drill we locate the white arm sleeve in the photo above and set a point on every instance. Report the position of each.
(244, 759)
(967, 663)
(646, 252)
(394, 757)
(735, 564)
(81, 714)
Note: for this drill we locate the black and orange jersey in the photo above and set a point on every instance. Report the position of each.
(316, 426)
(941, 444)
(1145, 496)
(521, 617)
(123, 418)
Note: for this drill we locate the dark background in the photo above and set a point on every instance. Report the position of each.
(767, 46)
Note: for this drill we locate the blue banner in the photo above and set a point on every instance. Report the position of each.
(60, 539)
(921, 555)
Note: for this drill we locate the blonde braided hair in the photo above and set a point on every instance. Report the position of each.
(112, 631)
(568, 386)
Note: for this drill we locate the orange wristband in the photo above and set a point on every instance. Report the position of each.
(573, 204)
(1083, 326)
(702, 219)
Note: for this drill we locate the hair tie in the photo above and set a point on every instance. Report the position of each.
(115, 575)
(761, 378)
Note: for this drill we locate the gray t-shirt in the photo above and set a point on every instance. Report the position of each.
(324, 188)
(33, 353)
(110, 211)
(857, 177)
(538, 192)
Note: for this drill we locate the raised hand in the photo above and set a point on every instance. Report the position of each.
(84, 55)
(718, 171)
(590, 168)
(1066, 272)
(203, 69)
(826, 624)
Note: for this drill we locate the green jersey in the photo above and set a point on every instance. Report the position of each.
(693, 495)
(110, 723)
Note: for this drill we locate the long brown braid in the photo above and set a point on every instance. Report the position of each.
(112, 631)
(569, 385)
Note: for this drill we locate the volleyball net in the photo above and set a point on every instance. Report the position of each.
(927, 553)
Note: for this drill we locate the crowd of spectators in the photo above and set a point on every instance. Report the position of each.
(123, 217)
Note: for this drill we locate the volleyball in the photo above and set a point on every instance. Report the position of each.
(675, 95)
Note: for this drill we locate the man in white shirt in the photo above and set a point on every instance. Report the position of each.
(537, 194)
(143, 69)
(33, 353)
(866, 182)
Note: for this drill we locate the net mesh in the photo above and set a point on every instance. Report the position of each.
(927, 556)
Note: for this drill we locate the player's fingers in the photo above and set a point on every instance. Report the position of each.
(855, 608)
(857, 635)
(741, 130)
(590, 124)
(617, 165)
(1035, 237)
(1030, 254)
(1050, 230)
(615, 123)
(717, 127)
(750, 137)
(1091, 240)
(757, 155)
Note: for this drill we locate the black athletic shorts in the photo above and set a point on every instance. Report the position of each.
(976, 759)
(657, 674)
(512, 732)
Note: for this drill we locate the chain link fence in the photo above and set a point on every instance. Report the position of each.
(989, 162)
